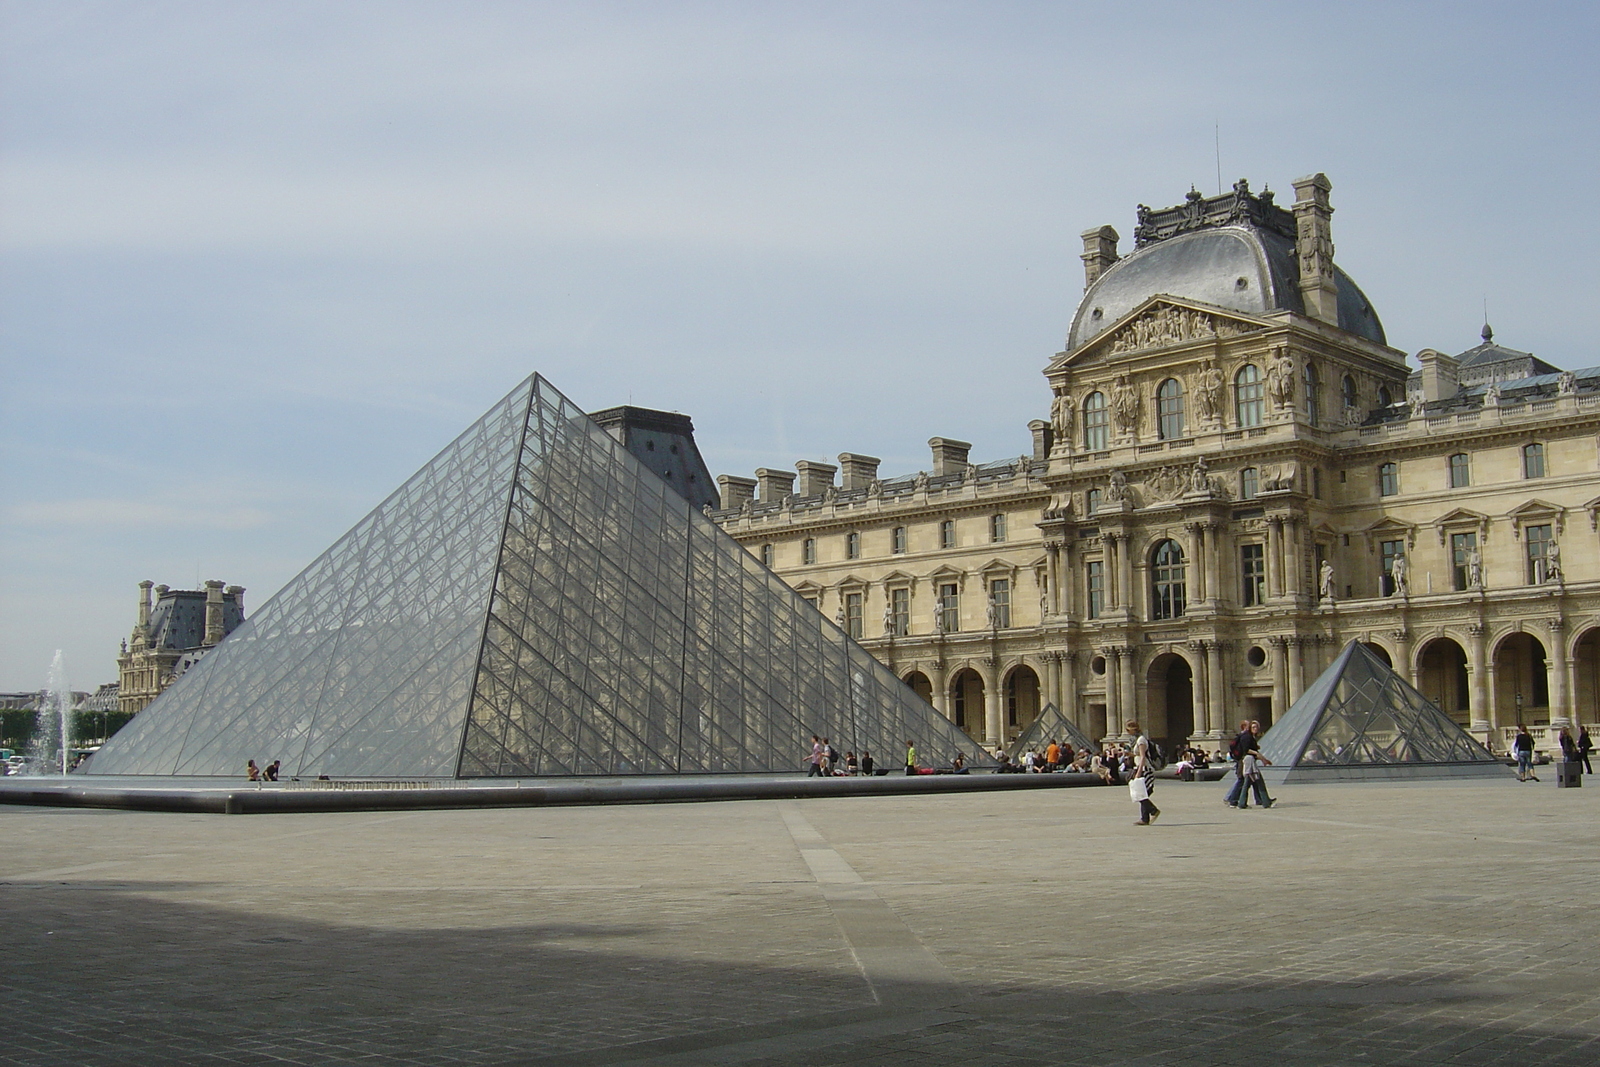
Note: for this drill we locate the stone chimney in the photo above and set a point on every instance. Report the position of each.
(815, 478)
(144, 604)
(237, 592)
(773, 486)
(1099, 252)
(859, 471)
(735, 491)
(949, 456)
(1441, 375)
(214, 632)
(1313, 247)
(1043, 438)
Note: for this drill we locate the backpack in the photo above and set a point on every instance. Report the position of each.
(1236, 747)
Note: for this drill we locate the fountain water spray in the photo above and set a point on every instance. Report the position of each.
(54, 717)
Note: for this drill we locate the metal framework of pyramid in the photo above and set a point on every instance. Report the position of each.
(1051, 725)
(1361, 720)
(533, 602)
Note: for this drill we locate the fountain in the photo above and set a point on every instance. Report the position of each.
(52, 723)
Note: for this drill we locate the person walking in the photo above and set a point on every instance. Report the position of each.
(1585, 746)
(1241, 745)
(1522, 745)
(1142, 782)
(911, 758)
(816, 757)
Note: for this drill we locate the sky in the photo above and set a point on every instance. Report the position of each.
(259, 261)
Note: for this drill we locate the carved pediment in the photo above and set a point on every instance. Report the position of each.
(1161, 324)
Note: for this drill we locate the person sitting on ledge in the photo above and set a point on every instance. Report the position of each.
(866, 763)
(959, 764)
(252, 773)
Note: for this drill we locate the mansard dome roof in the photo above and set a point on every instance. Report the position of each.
(1232, 251)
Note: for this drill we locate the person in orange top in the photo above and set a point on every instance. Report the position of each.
(1052, 756)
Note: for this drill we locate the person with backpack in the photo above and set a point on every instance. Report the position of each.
(1142, 779)
(1522, 745)
(1238, 748)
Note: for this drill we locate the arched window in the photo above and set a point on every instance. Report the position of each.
(1169, 410)
(897, 540)
(1168, 588)
(808, 550)
(1348, 392)
(1533, 461)
(852, 545)
(1460, 470)
(1249, 483)
(766, 555)
(1096, 422)
(947, 534)
(1313, 393)
(1249, 393)
(1384, 399)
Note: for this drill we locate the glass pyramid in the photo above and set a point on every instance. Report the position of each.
(1360, 719)
(534, 601)
(1051, 725)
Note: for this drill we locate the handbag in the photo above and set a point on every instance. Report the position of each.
(1139, 789)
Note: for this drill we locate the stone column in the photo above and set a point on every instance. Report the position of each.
(1130, 692)
(1067, 691)
(994, 726)
(1201, 685)
(1125, 572)
(1478, 698)
(941, 688)
(1213, 561)
(1274, 558)
(1280, 676)
(1052, 575)
(1290, 543)
(1294, 647)
(1560, 708)
(1402, 644)
(1217, 724)
(1062, 583)
(1113, 687)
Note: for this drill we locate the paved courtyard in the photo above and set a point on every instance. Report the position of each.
(1423, 924)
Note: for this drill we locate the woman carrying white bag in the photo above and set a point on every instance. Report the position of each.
(1143, 782)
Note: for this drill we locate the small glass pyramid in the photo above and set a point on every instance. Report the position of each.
(1360, 719)
(1051, 725)
(532, 602)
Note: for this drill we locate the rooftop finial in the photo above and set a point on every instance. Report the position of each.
(1488, 333)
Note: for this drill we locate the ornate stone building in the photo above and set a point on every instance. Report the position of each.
(180, 627)
(1234, 475)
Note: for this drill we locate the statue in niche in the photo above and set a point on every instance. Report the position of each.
(938, 616)
(991, 613)
(1208, 393)
(1117, 490)
(1062, 414)
(1474, 568)
(889, 628)
(1325, 587)
(1199, 481)
(1125, 405)
(1280, 379)
(1400, 576)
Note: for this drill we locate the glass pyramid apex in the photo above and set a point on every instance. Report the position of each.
(534, 601)
(1361, 719)
(1051, 725)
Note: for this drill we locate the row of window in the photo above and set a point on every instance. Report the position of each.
(947, 609)
(1249, 405)
(1460, 470)
(898, 541)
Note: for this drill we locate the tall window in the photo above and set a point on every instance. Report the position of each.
(808, 550)
(766, 555)
(1094, 587)
(1096, 422)
(949, 608)
(1249, 394)
(1000, 593)
(947, 534)
(852, 545)
(852, 615)
(1253, 566)
(899, 612)
(1460, 470)
(1167, 584)
(1348, 392)
(1462, 545)
(1384, 399)
(897, 540)
(1091, 501)
(1391, 551)
(1169, 410)
(1533, 461)
(997, 528)
(1538, 539)
(1388, 479)
(1313, 394)
(1249, 483)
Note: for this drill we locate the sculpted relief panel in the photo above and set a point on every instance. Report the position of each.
(1168, 325)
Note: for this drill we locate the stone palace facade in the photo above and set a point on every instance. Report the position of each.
(1232, 476)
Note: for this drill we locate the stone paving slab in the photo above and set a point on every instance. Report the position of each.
(1423, 923)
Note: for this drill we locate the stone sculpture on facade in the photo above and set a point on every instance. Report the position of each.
(1567, 383)
(1552, 562)
(1474, 568)
(991, 613)
(1325, 588)
(1117, 490)
(1168, 325)
(1125, 405)
(1199, 480)
(1208, 393)
(889, 628)
(1062, 414)
(1399, 576)
(1280, 380)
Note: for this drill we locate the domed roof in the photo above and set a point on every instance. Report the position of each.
(1233, 251)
